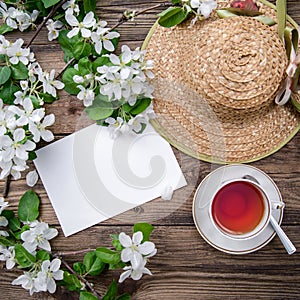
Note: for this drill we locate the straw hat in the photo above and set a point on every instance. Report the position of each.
(215, 86)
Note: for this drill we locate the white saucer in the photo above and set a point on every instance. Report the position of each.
(201, 204)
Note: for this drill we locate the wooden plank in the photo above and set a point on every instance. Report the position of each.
(188, 268)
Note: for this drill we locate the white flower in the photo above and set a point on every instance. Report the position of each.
(3, 233)
(38, 236)
(8, 15)
(3, 221)
(71, 7)
(27, 282)
(39, 129)
(102, 38)
(204, 7)
(82, 27)
(3, 205)
(53, 29)
(25, 20)
(16, 147)
(32, 178)
(134, 249)
(135, 271)
(4, 44)
(114, 126)
(16, 53)
(87, 95)
(50, 84)
(50, 272)
(8, 255)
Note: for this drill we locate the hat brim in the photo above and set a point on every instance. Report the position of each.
(192, 127)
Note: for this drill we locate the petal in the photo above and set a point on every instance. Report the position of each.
(19, 135)
(85, 32)
(32, 178)
(88, 19)
(10, 263)
(49, 120)
(58, 275)
(136, 275)
(125, 73)
(55, 264)
(51, 285)
(126, 255)
(50, 233)
(27, 104)
(109, 46)
(146, 248)
(137, 237)
(71, 19)
(137, 260)
(126, 57)
(47, 135)
(124, 275)
(73, 32)
(125, 240)
(114, 59)
(44, 244)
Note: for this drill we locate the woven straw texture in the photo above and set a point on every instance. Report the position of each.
(215, 86)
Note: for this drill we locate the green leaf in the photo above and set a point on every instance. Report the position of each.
(48, 3)
(93, 265)
(7, 92)
(84, 66)
(112, 291)
(108, 256)
(6, 242)
(28, 209)
(172, 16)
(18, 233)
(99, 62)
(23, 257)
(8, 214)
(19, 71)
(115, 241)
(71, 282)
(87, 296)
(145, 228)
(47, 98)
(42, 255)
(4, 28)
(140, 106)
(119, 265)
(281, 16)
(32, 155)
(89, 5)
(4, 74)
(99, 109)
(70, 85)
(265, 20)
(14, 224)
(79, 268)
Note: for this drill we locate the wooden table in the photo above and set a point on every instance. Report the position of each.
(186, 267)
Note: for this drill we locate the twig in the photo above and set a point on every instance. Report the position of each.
(124, 19)
(6, 186)
(79, 277)
(70, 253)
(65, 67)
(51, 13)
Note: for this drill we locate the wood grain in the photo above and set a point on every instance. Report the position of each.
(186, 267)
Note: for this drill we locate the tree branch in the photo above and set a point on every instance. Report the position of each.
(95, 293)
(6, 186)
(51, 13)
(124, 19)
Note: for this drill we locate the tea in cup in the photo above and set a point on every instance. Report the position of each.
(240, 209)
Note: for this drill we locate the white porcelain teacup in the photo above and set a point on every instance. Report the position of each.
(240, 209)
